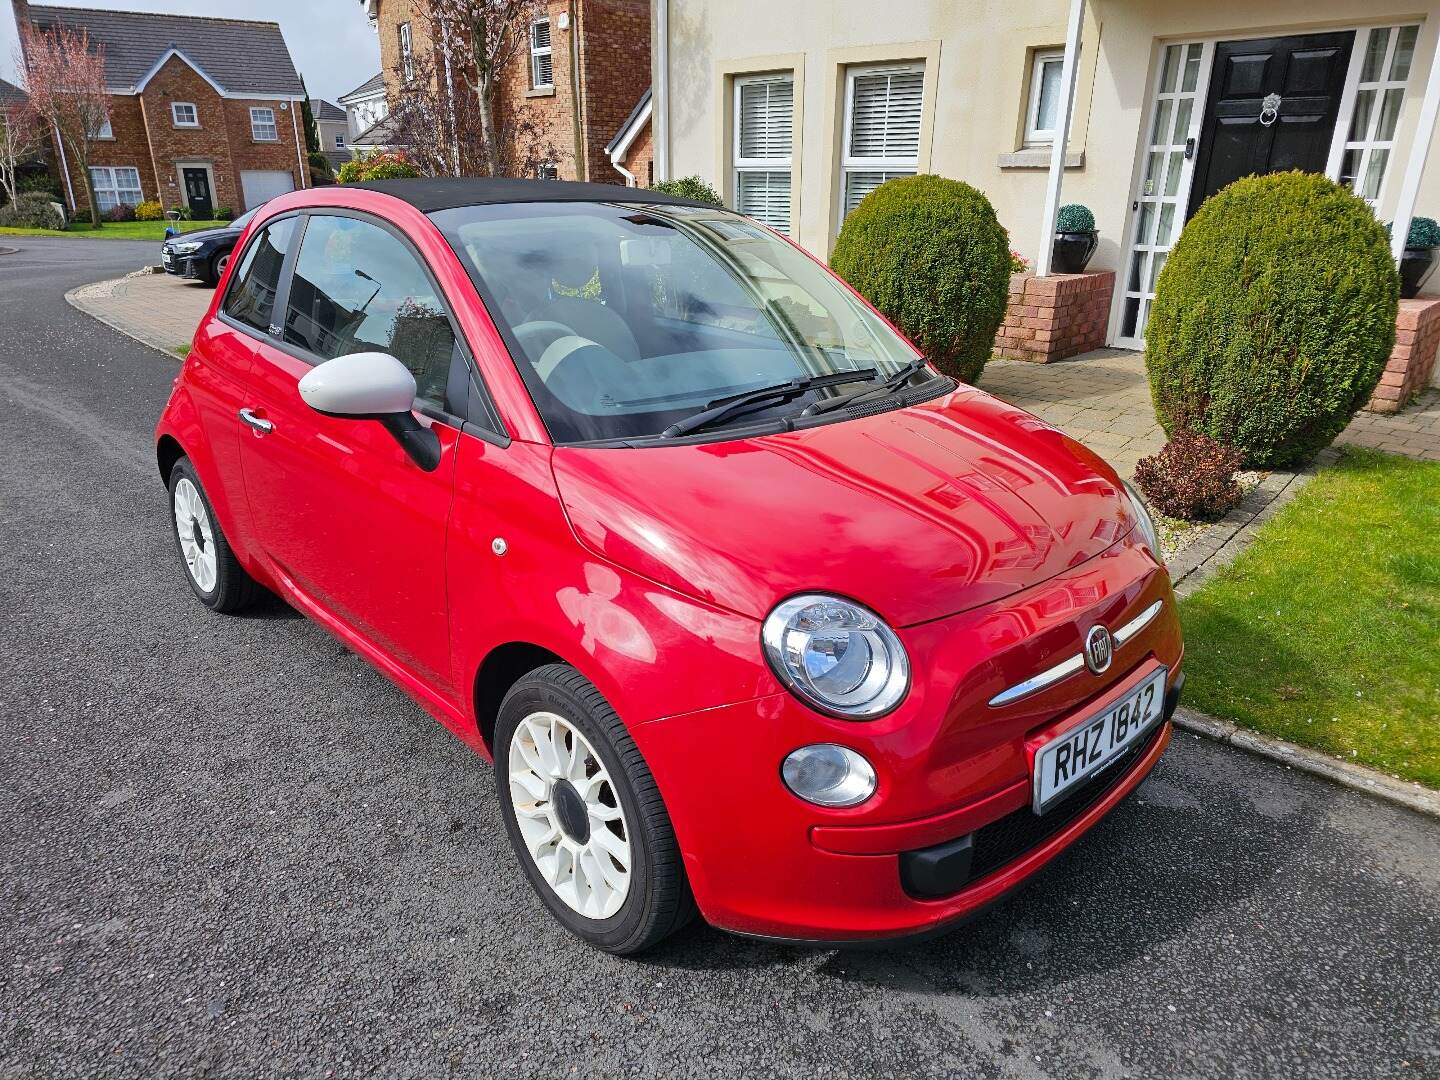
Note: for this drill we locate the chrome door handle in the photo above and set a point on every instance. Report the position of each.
(262, 427)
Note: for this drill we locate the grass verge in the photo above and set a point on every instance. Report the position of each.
(118, 230)
(1326, 630)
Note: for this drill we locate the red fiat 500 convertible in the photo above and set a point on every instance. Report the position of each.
(755, 611)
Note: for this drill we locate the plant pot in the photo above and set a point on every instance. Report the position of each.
(1415, 267)
(1072, 251)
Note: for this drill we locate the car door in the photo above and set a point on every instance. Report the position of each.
(340, 510)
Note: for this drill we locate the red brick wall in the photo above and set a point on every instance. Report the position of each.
(209, 143)
(1412, 361)
(128, 147)
(535, 125)
(616, 70)
(640, 158)
(1053, 317)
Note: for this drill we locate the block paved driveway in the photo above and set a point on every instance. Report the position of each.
(229, 848)
(1103, 399)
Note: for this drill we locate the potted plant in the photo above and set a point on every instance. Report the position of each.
(1419, 257)
(1075, 238)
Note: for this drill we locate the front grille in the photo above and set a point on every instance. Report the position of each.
(1010, 837)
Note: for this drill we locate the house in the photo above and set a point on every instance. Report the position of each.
(570, 86)
(364, 106)
(333, 125)
(10, 95)
(204, 112)
(795, 119)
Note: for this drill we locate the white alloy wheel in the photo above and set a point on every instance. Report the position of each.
(569, 815)
(197, 537)
(221, 265)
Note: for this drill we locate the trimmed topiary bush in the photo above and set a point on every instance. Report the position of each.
(930, 254)
(1424, 233)
(690, 187)
(1192, 477)
(1274, 317)
(1073, 217)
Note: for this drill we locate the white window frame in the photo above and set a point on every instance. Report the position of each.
(1034, 134)
(897, 166)
(257, 124)
(776, 164)
(106, 179)
(407, 50)
(1370, 142)
(339, 140)
(539, 53)
(106, 130)
(547, 170)
(176, 106)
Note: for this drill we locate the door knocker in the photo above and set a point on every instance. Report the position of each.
(1269, 109)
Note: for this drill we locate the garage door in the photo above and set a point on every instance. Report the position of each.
(258, 186)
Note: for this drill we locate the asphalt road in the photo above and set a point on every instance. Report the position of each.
(230, 848)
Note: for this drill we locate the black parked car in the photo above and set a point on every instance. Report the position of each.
(202, 255)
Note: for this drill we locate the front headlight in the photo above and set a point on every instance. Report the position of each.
(1144, 522)
(837, 656)
(185, 249)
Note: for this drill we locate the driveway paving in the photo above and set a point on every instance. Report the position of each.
(228, 847)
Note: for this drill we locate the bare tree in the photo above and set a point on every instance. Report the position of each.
(21, 137)
(66, 80)
(476, 39)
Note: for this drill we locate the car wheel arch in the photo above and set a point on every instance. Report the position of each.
(502, 668)
(167, 452)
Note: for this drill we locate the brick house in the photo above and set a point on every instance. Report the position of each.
(204, 113)
(592, 52)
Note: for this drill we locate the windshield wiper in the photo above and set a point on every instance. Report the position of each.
(894, 382)
(723, 408)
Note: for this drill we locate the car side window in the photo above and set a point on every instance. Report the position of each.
(252, 297)
(356, 288)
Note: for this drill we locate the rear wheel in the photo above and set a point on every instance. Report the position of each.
(214, 574)
(585, 816)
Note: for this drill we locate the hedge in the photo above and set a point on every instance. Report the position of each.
(930, 254)
(1274, 317)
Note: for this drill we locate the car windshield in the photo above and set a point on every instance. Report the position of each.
(244, 219)
(626, 319)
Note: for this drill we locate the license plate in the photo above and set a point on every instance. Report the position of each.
(1070, 759)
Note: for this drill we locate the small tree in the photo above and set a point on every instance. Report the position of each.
(21, 137)
(66, 80)
(475, 40)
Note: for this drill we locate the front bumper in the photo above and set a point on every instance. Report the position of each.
(765, 863)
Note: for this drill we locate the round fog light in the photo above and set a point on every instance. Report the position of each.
(829, 775)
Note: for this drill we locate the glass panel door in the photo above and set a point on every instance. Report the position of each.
(1158, 208)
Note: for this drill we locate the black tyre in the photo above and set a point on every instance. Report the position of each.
(585, 816)
(212, 570)
(215, 268)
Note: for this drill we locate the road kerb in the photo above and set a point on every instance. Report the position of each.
(1354, 776)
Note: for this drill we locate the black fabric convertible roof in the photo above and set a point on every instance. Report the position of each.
(448, 193)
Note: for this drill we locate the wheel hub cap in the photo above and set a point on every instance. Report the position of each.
(570, 811)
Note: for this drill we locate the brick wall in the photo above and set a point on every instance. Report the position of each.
(209, 143)
(1412, 361)
(640, 157)
(127, 148)
(615, 72)
(247, 153)
(538, 125)
(1053, 317)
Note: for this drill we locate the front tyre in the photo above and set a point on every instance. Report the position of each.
(212, 570)
(585, 816)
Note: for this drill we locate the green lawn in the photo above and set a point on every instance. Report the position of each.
(118, 230)
(1326, 630)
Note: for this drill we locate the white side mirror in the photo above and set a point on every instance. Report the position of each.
(369, 384)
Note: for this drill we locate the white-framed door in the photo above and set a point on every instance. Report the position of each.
(1166, 169)
(1360, 154)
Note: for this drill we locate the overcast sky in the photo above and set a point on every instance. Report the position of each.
(330, 40)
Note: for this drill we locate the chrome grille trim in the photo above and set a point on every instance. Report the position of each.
(1071, 665)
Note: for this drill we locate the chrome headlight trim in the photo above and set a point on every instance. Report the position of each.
(882, 678)
(1144, 522)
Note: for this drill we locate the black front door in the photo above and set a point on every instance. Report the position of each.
(1273, 104)
(197, 194)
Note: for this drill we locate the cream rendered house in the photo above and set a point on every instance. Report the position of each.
(795, 109)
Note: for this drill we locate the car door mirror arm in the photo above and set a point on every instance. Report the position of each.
(418, 441)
